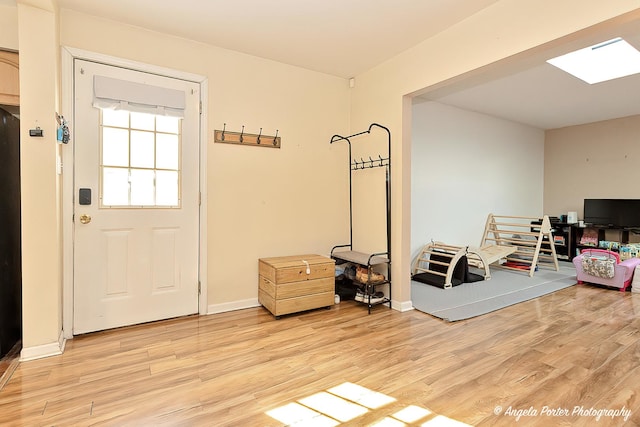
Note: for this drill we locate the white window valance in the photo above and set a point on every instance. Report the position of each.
(115, 94)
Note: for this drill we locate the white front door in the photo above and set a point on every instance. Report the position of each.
(136, 205)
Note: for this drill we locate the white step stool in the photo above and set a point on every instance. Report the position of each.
(635, 282)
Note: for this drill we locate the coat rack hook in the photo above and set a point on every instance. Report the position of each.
(258, 140)
(370, 162)
(380, 157)
(224, 128)
(275, 137)
(241, 134)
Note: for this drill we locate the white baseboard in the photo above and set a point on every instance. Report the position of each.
(232, 306)
(402, 306)
(45, 350)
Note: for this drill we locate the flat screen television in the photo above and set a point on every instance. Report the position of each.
(620, 213)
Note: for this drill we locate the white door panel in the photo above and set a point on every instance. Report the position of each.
(136, 260)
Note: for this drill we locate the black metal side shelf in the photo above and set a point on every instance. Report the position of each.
(346, 252)
(368, 287)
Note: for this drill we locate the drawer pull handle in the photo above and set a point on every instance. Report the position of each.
(308, 268)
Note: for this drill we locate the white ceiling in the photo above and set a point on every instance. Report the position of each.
(347, 37)
(338, 37)
(530, 91)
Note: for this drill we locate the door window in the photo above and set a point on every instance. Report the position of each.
(140, 160)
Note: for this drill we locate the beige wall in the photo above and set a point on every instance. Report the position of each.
(40, 195)
(594, 161)
(8, 27)
(261, 202)
(506, 28)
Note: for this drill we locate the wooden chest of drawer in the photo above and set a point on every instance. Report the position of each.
(296, 283)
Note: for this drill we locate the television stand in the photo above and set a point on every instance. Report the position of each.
(611, 233)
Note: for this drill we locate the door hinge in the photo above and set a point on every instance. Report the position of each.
(199, 287)
(200, 107)
(199, 198)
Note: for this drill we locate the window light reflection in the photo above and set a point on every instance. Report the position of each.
(411, 414)
(361, 395)
(295, 414)
(334, 406)
(347, 402)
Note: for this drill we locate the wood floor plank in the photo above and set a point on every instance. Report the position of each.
(576, 347)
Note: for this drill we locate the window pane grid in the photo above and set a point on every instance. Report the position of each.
(134, 171)
(142, 169)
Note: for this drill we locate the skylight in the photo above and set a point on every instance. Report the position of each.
(608, 60)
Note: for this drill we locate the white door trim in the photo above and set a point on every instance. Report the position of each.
(68, 56)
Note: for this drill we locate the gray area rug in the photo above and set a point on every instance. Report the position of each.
(505, 288)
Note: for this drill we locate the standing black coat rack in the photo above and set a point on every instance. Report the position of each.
(350, 255)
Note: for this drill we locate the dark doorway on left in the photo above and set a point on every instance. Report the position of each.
(10, 236)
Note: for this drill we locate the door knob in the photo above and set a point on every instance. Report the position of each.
(85, 219)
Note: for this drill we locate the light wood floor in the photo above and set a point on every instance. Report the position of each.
(8, 363)
(576, 347)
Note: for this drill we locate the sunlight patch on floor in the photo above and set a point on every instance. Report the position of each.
(334, 406)
(361, 395)
(349, 401)
(411, 414)
(293, 414)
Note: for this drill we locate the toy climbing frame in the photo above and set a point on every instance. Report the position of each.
(448, 256)
(531, 237)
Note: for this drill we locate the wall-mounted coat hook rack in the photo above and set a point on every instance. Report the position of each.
(242, 138)
(371, 163)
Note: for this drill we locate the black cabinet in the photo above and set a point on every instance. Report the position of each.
(563, 239)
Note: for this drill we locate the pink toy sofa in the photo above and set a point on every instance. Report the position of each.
(603, 267)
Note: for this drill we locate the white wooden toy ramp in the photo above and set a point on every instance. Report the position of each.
(445, 266)
(529, 239)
